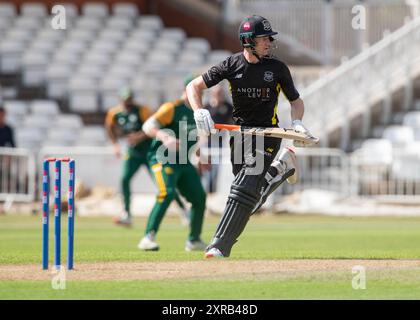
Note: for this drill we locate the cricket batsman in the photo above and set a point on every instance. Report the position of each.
(171, 128)
(256, 79)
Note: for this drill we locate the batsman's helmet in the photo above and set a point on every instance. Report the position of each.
(253, 27)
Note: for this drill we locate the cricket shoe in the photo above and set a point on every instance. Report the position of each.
(197, 245)
(148, 243)
(213, 253)
(124, 220)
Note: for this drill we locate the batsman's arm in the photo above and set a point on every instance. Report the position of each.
(297, 109)
(195, 92)
(153, 127)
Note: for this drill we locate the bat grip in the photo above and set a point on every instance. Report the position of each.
(229, 127)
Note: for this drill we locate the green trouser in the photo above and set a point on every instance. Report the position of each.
(132, 162)
(185, 178)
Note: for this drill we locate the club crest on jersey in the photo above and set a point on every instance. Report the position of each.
(268, 76)
(132, 118)
(266, 24)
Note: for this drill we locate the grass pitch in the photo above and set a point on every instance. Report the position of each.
(277, 257)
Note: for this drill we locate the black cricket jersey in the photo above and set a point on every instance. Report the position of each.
(255, 88)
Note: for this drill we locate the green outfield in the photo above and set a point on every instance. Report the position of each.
(277, 257)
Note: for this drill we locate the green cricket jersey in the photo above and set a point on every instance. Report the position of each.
(130, 120)
(179, 118)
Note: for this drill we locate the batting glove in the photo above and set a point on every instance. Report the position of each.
(204, 122)
(299, 127)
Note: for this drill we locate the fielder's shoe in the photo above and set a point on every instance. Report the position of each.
(213, 253)
(124, 220)
(148, 243)
(197, 245)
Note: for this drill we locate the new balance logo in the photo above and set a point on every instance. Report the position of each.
(238, 76)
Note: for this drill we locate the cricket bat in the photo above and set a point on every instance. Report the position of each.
(284, 133)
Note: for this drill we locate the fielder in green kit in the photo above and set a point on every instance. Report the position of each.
(173, 131)
(125, 120)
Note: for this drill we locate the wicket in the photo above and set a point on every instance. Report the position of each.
(57, 212)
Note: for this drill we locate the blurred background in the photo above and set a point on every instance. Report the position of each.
(355, 63)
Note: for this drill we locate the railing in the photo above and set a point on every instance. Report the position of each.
(97, 166)
(17, 175)
(326, 26)
(354, 87)
(396, 178)
(323, 169)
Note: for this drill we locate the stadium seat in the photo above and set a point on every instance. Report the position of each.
(89, 23)
(81, 35)
(45, 107)
(172, 34)
(89, 70)
(29, 138)
(399, 136)
(5, 24)
(57, 80)
(83, 96)
(68, 121)
(28, 23)
(61, 136)
(92, 136)
(7, 10)
(412, 120)
(95, 9)
(119, 23)
(406, 165)
(149, 97)
(105, 46)
(128, 58)
(43, 46)
(192, 59)
(97, 58)
(137, 46)
(34, 10)
(65, 58)
(50, 35)
(71, 10)
(23, 35)
(11, 55)
(38, 121)
(217, 56)
(116, 36)
(14, 120)
(144, 81)
(34, 65)
(16, 107)
(161, 58)
(167, 47)
(150, 22)
(196, 44)
(375, 152)
(142, 35)
(128, 10)
(122, 71)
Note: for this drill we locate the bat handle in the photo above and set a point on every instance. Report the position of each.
(229, 127)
